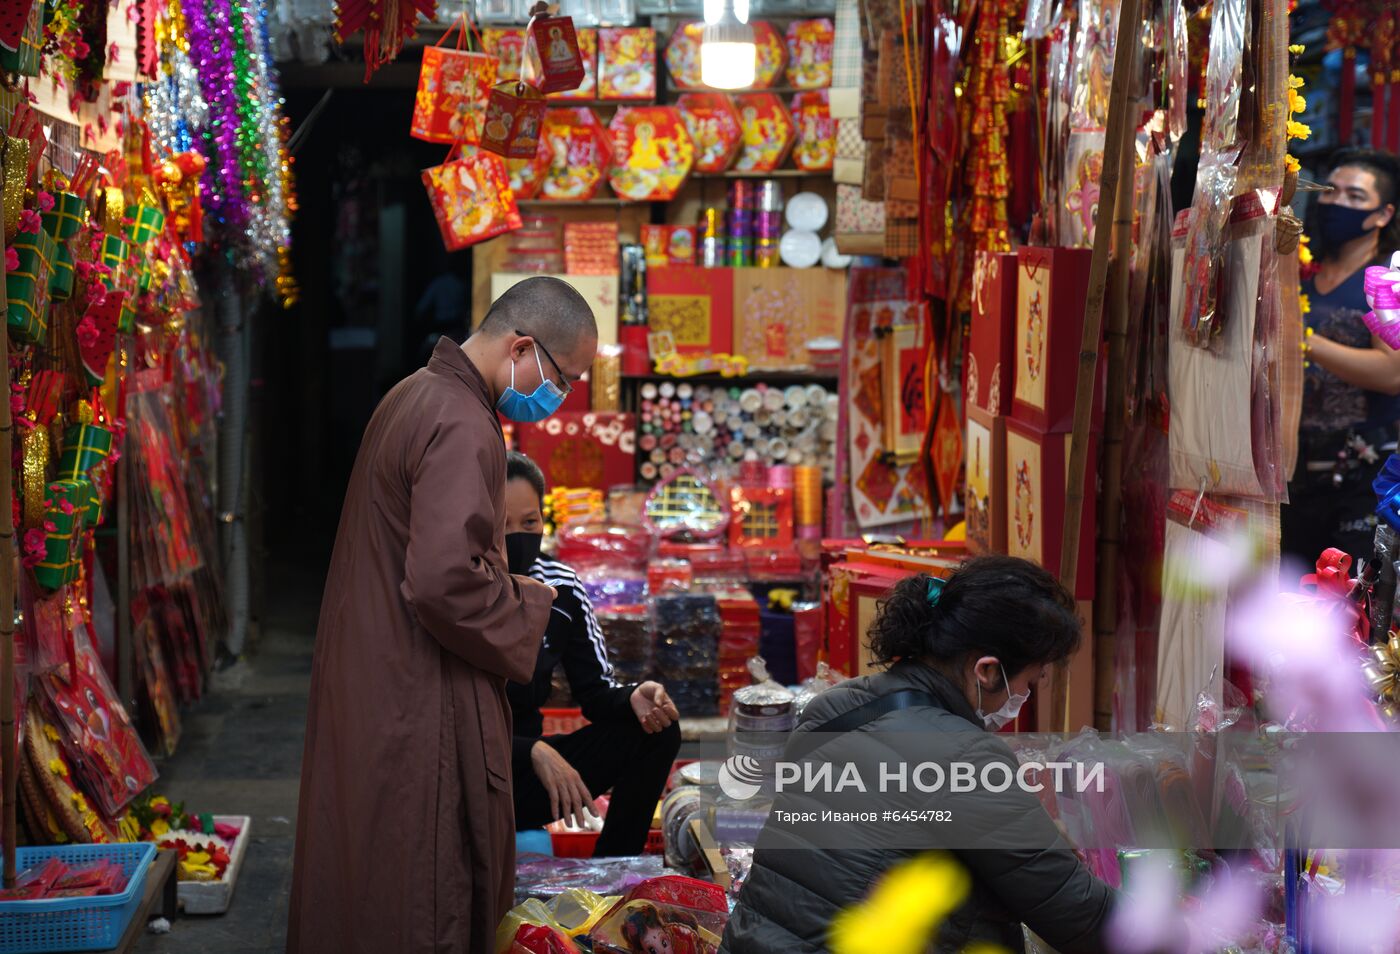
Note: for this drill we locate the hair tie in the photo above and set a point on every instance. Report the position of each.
(935, 590)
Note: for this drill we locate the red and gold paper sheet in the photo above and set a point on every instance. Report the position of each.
(816, 132)
(992, 334)
(669, 245)
(652, 153)
(575, 152)
(696, 310)
(1037, 474)
(882, 493)
(810, 44)
(714, 126)
(507, 44)
(591, 449)
(769, 133)
(588, 52)
(627, 63)
(471, 198)
(1051, 287)
(985, 499)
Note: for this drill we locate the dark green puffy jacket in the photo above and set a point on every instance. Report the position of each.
(794, 891)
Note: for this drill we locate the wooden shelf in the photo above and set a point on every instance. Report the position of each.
(743, 380)
(576, 203)
(776, 90)
(775, 174)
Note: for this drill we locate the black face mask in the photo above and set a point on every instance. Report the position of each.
(1338, 225)
(522, 550)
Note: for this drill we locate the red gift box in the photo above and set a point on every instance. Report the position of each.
(808, 624)
(668, 245)
(990, 377)
(595, 449)
(471, 199)
(552, 60)
(514, 115)
(636, 353)
(714, 126)
(1051, 287)
(1037, 472)
(697, 310)
(985, 501)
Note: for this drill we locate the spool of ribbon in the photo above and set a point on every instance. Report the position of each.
(1382, 286)
(1381, 670)
(1387, 488)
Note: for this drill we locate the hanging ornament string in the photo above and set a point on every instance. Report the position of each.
(909, 79)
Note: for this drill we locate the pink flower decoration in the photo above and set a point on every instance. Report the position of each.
(66, 506)
(29, 221)
(11, 260)
(84, 270)
(87, 332)
(35, 546)
(45, 201)
(97, 295)
(82, 50)
(50, 526)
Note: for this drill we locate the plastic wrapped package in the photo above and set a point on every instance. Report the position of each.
(628, 634)
(617, 545)
(540, 939)
(1387, 548)
(677, 809)
(613, 586)
(686, 655)
(669, 574)
(676, 914)
(1097, 819)
(570, 913)
(542, 876)
(761, 718)
(825, 678)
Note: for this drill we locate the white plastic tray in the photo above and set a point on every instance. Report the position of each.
(214, 897)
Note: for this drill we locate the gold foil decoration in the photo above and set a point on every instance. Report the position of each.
(84, 415)
(113, 211)
(16, 162)
(34, 473)
(1382, 672)
(607, 380)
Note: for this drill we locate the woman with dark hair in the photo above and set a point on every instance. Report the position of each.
(1351, 391)
(961, 657)
(634, 731)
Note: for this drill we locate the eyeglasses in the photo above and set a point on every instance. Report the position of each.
(563, 380)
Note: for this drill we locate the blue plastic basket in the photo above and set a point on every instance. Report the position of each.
(75, 924)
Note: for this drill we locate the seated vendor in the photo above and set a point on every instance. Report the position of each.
(634, 731)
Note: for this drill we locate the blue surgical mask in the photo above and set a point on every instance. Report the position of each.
(535, 406)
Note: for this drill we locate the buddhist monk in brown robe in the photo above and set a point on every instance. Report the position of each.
(405, 833)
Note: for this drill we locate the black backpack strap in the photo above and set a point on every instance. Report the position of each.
(872, 710)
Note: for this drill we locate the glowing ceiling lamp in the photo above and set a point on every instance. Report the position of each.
(727, 52)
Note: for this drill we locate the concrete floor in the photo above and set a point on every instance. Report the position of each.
(240, 753)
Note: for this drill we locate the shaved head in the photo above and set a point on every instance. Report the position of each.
(546, 308)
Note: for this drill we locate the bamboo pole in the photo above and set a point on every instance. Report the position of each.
(9, 762)
(1115, 140)
(1111, 497)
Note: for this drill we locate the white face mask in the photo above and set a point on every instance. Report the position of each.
(1009, 709)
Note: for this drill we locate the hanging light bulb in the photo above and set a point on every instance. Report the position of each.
(728, 55)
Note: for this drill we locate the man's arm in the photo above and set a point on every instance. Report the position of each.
(454, 577)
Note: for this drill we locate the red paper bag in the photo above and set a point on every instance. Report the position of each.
(471, 198)
(453, 85)
(552, 61)
(514, 115)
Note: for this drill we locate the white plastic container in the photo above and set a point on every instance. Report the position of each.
(214, 897)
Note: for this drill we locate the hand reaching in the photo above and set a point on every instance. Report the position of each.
(568, 796)
(654, 709)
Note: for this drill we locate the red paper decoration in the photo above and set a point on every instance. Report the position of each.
(768, 132)
(810, 44)
(575, 154)
(652, 153)
(714, 127)
(816, 131)
(627, 63)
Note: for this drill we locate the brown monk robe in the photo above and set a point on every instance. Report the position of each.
(405, 831)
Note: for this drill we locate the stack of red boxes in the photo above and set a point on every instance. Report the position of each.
(738, 642)
(1022, 373)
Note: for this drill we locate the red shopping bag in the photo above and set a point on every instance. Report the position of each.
(453, 86)
(471, 198)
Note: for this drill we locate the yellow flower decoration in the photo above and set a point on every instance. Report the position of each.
(1296, 49)
(52, 733)
(1305, 255)
(982, 947)
(904, 910)
(1295, 82)
(1290, 164)
(1304, 305)
(57, 767)
(160, 827)
(1296, 103)
(1297, 130)
(160, 801)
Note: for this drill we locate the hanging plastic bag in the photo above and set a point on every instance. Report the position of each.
(471, 199)
(453, 85)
